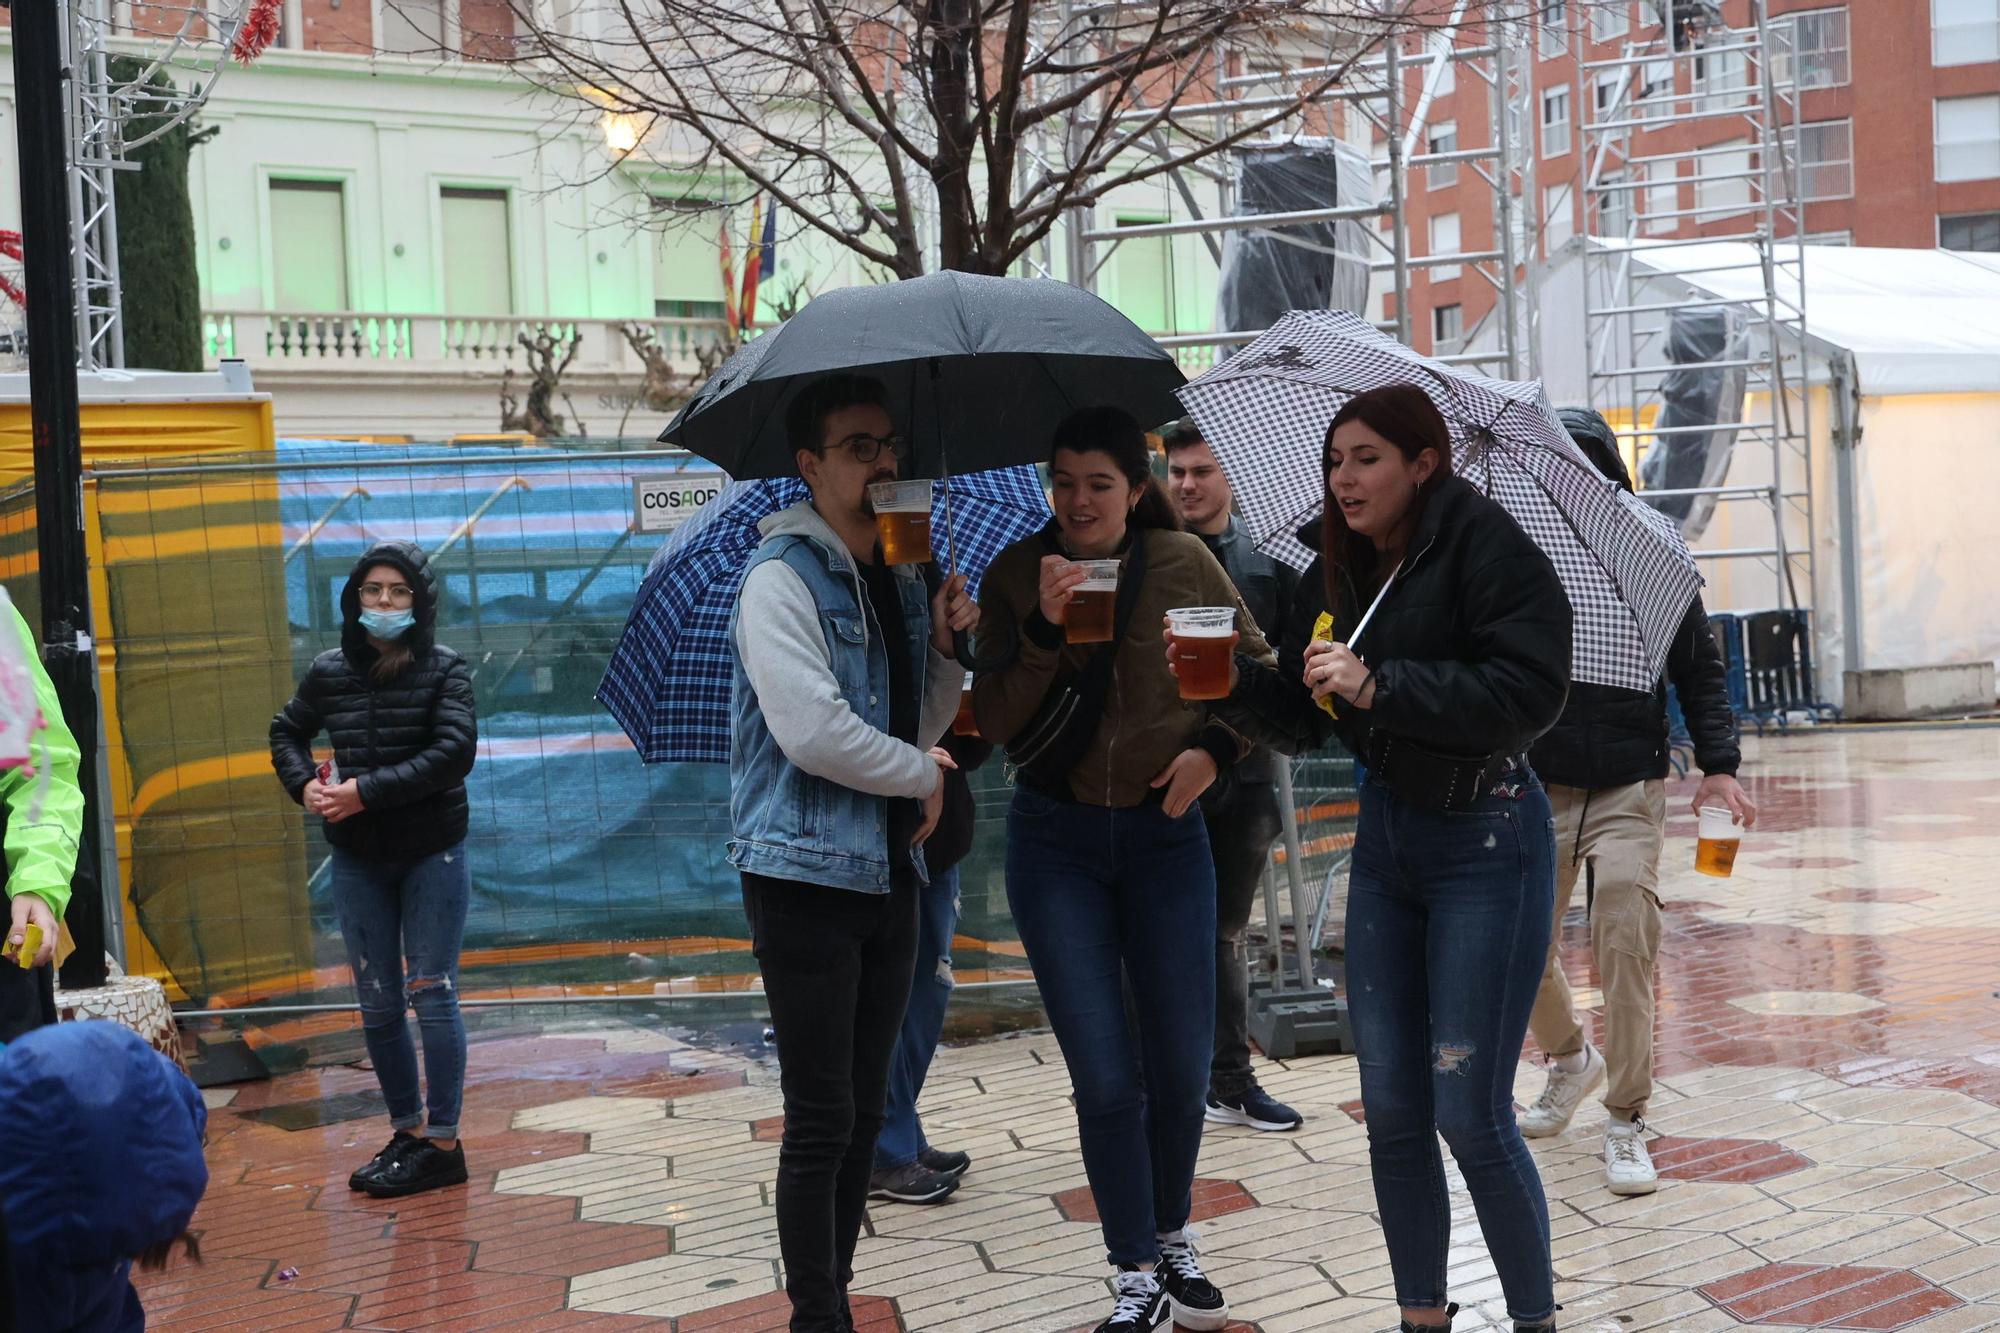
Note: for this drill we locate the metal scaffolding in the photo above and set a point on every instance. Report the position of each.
(189, 40)
(1483, 39)
(1699, 79)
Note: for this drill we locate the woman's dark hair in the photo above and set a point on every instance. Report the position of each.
(1405, 416)
(154, 1257)
(1113, 431)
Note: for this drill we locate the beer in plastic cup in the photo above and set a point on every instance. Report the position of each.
(965, 724)
(1092, 613)
(1716, 840)
(903, 520)
(1204, 645)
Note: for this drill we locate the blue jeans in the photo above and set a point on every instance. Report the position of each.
(902, 1136)
(1097, 894)
(391, 911)
(1448, 920)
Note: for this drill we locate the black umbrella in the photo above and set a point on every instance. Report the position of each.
(979, 371)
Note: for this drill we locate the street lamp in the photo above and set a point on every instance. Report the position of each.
(622, 132)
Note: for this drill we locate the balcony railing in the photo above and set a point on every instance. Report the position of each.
(363, 341)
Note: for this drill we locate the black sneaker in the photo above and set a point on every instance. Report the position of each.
(1140, 1304)
(414, 1170)
(953, 1164)
(915, 1183)
(1450, 1313)
(1255, 1108)
(1196, 1302)
(390, 1151)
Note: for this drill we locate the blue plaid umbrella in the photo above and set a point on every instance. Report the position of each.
(668, 680)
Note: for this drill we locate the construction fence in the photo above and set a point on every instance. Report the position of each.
(595, 876)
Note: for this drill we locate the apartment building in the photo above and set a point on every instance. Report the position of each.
(1899, 139)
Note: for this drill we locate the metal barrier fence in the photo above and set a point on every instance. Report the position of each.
(595, 877)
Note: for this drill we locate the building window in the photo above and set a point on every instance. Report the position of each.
(412, 27)
(1444, 139)
(1722, 181)
(1142, 277)
(1609, 22)
(308, 247)
(1444, 241)
(1826, 160)
(1555, 28)
(1558, 216)
(687, 260)
(1605, 98)
(478, 257)
(1555, 122)
(1662, 202)
(1655, 95)
(1829, 238)
(1447, 329)
(1819, 45)
(1447, 76)
(1614, 205)
(1970, 231)
(1965, 32)
(1968, 138)
(1722, 79)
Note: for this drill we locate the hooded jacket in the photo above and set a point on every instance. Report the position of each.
(1470, 647)
(1611, 737)
(112, 1167)
(408, 741)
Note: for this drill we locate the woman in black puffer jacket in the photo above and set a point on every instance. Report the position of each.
(1462, 663)
(398, 708)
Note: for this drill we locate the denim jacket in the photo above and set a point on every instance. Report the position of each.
(812, 766)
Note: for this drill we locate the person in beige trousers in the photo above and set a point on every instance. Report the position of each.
(1605, 765)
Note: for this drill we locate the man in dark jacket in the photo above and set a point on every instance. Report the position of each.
(1243, 817)
(1605, 765)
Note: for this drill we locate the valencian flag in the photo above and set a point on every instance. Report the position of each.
(728, 278)
(760, 260)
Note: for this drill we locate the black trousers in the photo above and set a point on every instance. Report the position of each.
(837, 966)
(27, 999)
(1240, 834)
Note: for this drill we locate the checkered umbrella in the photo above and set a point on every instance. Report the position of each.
(668, 679)
(1265, 410)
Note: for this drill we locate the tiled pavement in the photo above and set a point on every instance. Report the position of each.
(1829, 1100)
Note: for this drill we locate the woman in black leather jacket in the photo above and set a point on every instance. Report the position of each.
(398, 709)
(1462, 663)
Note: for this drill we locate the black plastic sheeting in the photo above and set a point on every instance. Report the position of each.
(1310, 266)
(1695, 396)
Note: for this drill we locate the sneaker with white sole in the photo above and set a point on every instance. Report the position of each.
(1253, 1108)
(1628, 1167)
(914, 1183)
(1556, 1107)
(1138, 1306)
(1196, 1302)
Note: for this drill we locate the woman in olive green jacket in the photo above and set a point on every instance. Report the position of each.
(1108, 869)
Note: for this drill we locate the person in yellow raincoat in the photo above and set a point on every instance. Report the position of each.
(42, 810)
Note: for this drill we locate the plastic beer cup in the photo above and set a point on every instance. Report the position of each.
(1204, 644)
(1091, 614)
(1716, 840)
(903, 520)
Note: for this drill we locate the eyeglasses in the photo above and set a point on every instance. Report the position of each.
(391, 594)
(867, 448)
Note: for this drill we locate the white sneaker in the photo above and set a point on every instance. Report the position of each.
(1554, 1109)
(1628, 1167)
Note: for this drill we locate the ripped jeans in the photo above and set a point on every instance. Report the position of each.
(390, 912)
(1448, 917)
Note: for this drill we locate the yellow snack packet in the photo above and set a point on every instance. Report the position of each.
(1323, 632)
(31, 944)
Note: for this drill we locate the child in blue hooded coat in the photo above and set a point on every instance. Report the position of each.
(112, 1174)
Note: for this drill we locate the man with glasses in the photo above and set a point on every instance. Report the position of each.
(843, 686)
